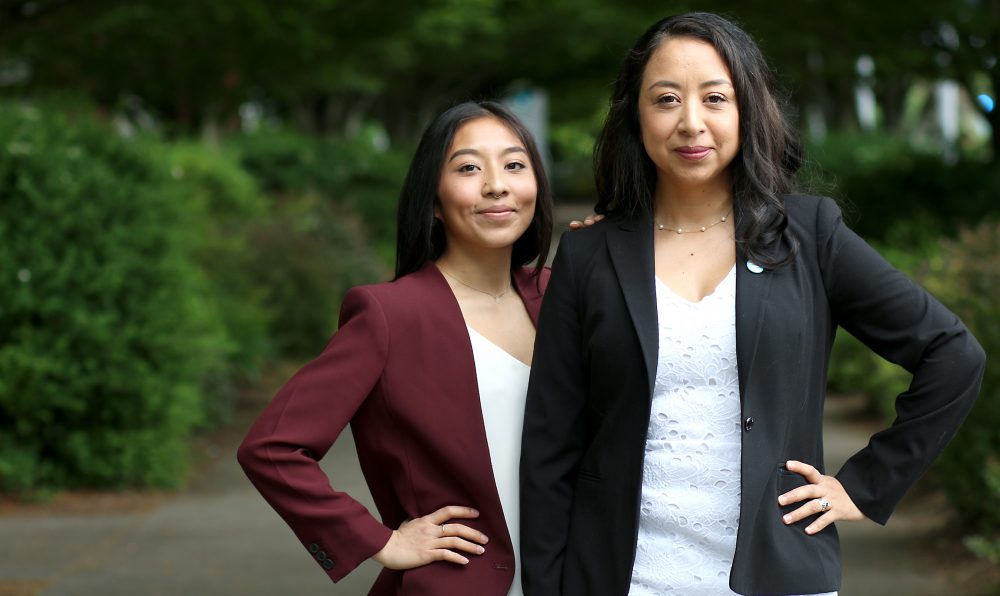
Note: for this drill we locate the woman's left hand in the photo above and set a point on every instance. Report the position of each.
(821, 490)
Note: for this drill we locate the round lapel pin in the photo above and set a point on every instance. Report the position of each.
(754, 267)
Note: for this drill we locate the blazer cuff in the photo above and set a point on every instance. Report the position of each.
(339, 557)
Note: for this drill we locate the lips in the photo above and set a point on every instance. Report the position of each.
(497, 210)
(693, 153)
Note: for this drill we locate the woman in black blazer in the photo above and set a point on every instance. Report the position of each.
(629, 399)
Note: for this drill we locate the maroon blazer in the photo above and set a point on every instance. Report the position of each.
(401, 371)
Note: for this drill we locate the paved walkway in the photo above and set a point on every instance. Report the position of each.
(219, 538)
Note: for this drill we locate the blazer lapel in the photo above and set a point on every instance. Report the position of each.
(460, 368)
(530, 289)
(631, 249)
(752, 287)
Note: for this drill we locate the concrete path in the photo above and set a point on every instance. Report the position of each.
(218, 537)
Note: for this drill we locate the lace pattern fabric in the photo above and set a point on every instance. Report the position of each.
(691, 472)
(690, 504)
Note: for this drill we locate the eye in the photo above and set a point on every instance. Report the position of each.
(467, 168)
(668, 99)
(516, 165)
(716, 98)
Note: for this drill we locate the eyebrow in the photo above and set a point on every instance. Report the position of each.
(461, 152)
(673, 85)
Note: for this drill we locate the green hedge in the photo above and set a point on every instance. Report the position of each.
(353, 174)
(106, 326)
(224, 209)
(901, 197)
(147, 283)
(306, 256)
(967, 278)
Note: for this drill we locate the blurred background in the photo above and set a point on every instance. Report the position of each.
(188, 188)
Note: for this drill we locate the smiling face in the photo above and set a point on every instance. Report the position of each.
(688, 115)
(487, 190)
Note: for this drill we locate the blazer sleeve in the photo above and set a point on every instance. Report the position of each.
(281, 452)
(904, 324)
(553, 434)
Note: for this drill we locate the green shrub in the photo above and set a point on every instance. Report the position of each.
(855, 369)
(106, 327)
(225, 210)
(350, 173)
(967, 278)
(306, 256)
(898, 196)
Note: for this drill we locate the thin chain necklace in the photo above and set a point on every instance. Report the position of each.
(660, 226)
(496, 297)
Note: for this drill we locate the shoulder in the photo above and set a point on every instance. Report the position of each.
(585, 239)
(806, 207)
(811, 215)
(397, 295)
(528, 282)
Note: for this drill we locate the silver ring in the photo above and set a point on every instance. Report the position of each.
(824, 505)
(442, 531)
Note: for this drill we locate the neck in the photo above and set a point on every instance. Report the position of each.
(690, 206)
(486, 270)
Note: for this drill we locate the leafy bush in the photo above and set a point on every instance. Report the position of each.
(106, 326)
(967, 277)
(306, 256)
(900, 197)
(352, 173)
(903, 202)
(855, 369)
(225, 208)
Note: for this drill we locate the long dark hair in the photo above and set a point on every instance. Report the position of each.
(770, 151)
(419, 235)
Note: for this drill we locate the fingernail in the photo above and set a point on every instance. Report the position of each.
(465, 561)
(810, 530)
(481, 550)
(781, 500)
(483, 538)
(787, 518)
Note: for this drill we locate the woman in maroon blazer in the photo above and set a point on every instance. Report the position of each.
(402, 370)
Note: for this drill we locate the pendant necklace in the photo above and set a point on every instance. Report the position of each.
(496, 297)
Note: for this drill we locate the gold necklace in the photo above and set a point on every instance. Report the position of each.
(660, 226)
(496, 297)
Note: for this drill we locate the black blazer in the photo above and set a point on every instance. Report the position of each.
(592, 378)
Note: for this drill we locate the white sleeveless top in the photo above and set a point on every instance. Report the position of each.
(503, 386)
(690, 504)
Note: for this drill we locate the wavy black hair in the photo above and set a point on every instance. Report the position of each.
(770, 151)
(419, 235)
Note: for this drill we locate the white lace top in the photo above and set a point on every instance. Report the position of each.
(691, 472)
(503, 386)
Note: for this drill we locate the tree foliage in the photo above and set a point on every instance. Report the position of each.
(331, 64)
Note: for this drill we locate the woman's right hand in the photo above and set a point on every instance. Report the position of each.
(426, 539)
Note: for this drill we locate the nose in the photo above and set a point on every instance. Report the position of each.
(691, 121)
(495, 185)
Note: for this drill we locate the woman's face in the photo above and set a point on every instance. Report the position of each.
(688, 113)
(487, 190)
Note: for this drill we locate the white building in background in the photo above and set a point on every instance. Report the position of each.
(864, 95)
(532, 107)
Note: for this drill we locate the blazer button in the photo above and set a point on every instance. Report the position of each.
(314, 548)
(748, 423)
(321, 556)
(328, 564)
